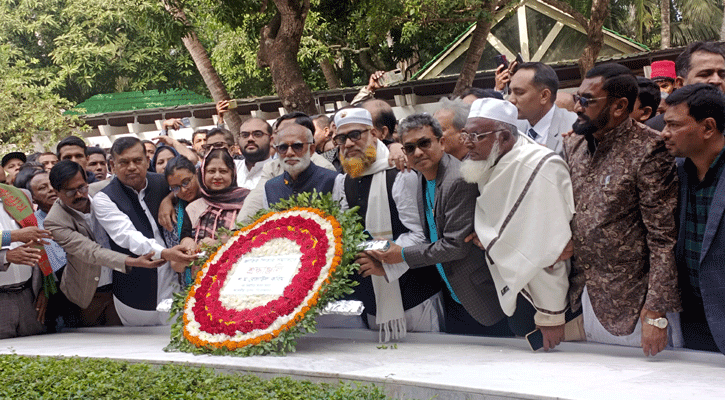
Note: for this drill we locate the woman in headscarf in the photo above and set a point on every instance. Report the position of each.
(162, 155)
(220, 202)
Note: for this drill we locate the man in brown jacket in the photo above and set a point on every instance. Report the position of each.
(87, 280)
(625, 191)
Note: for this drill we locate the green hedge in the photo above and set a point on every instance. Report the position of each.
(76, 378)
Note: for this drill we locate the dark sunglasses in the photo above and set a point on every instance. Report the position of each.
(296, 147)
(423, 144)
(585, 101)
(352, 135)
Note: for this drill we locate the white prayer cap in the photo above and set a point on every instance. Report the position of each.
(499, 110)
(353, 116)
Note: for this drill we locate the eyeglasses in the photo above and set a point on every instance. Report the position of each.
(423, 144)
(477, 137)
(256, 134)
(72, 192)
(184, 184)
(586, 101)
(217, 145)
(352, 135)
(296, 147)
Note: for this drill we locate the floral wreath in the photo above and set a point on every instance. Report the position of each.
(214, 318)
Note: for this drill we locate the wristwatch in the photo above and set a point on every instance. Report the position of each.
(658, 322)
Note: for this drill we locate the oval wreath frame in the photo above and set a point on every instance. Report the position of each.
(335, 286)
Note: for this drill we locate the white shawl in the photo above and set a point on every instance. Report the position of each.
(390, 314)
(535, 234)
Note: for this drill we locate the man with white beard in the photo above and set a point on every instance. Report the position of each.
(294, 148)
(522, 219)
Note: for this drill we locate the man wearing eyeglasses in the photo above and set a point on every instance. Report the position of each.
(624, 277)
(400, 299)
(88, 275)
(444, 201)
(295, 147)
(255, 137)
(522, 219)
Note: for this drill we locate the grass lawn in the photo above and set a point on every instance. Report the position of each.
(77, 378)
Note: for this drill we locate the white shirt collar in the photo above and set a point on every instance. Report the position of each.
(542, 127)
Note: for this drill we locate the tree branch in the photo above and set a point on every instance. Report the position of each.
(567, 8)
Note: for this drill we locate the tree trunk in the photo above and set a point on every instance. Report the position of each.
(328, 69)
(722, 26)
(366, 63)
(475, 50)
(203, 64)
(278, 46)
(595, 34)
(665, 30)
(211, 78)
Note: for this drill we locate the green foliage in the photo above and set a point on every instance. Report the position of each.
(75, 378)
(79, 48)
(692, 20)
(340, 285)
(27, 107)
(696, 20)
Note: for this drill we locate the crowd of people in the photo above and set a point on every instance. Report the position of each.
(510, 211)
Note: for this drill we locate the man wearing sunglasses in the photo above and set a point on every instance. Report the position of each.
(410, 299)
(444, 202)
(625, 189)
(295, 146)
(522, 219)
(274, 168)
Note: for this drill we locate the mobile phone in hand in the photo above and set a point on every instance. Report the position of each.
(501, 59)
(391, 77)
(519, 59)
(535, 339)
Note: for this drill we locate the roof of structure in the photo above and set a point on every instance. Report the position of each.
(129, 101)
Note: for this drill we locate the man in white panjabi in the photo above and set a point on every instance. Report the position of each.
(403, 299)
(522, 218)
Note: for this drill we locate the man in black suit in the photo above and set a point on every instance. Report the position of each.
(445, 204)
(695, 120)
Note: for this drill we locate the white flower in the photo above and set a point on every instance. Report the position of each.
(274, 247)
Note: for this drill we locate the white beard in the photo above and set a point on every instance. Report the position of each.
(479, 171)
(296, 169)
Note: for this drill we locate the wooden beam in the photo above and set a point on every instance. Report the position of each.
(548, 40)
(523, 32)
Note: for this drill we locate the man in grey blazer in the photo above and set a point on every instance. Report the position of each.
(695, 119)
(533, 91)
(445, 204)
(87, 280)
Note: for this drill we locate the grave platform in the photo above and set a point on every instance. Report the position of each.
(424, 366)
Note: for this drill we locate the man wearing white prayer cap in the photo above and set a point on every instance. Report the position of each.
(396, 299)
(522, 219)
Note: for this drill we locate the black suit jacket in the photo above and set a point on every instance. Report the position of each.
(463, 263)
(712, 255)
